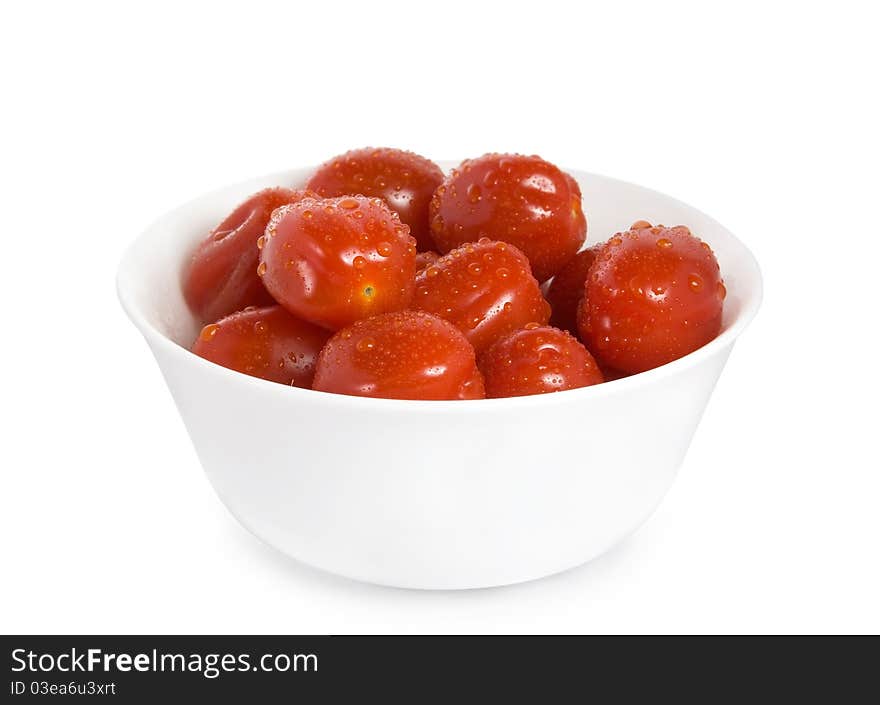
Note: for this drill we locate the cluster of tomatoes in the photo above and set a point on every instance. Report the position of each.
(341, 287)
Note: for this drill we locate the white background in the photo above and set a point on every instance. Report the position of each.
(763, 115)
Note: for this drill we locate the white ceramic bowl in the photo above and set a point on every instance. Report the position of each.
(429, 494)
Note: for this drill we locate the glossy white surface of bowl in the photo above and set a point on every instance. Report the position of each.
(435, 494)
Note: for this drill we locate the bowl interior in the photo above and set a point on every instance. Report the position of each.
(149, 279)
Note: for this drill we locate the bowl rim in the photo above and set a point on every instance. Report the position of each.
(751, 301)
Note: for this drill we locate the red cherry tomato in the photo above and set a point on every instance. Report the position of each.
(611, 374)
(653, 295)
(336, 260)
(423, 259)
(565, 291)
(221, 276)
(485, 288)
(404, 180)
(264, 342)
(537, 360)
(522, 200)
(402, 355)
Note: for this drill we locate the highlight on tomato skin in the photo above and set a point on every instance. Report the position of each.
(537, 360)
(565, 290)
(221, 276)
(334, 261)
(404, 180)
(653, 295)
(264, 342)
(400, 355)
(525, 201)
(485, 288)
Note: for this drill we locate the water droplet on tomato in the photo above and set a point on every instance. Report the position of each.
(359, 262)
(261, 269)
(260, 327)
(209, 331)
(695, 283)
(664, 243)
(384, 248)
(366, 344)
(722, 291)
(635, 287)
(348, 203)
(261, 242)
(474, 269)
(474, 193)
